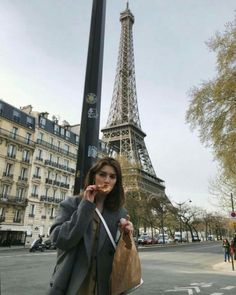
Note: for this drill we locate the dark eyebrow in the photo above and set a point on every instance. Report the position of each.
(113, 174)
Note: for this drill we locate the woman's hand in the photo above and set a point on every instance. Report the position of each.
(90, 193)
(126, 226)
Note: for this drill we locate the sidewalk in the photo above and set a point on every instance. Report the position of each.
(225, 267)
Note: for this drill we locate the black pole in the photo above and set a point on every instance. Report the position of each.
(90, 119)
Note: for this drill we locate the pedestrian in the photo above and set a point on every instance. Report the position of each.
(226, 247)
(85, 252)
(234, 245)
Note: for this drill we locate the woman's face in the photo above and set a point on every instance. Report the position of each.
(105, 178)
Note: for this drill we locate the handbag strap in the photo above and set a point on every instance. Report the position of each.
(106, 227)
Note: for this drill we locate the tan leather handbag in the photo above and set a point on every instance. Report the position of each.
(126, 267)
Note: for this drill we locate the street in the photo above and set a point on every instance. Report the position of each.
(183, 269)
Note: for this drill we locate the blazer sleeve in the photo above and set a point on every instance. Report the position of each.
(71, 223)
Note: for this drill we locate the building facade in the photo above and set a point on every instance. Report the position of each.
(37, 165)
(17, 147)
(37, 171)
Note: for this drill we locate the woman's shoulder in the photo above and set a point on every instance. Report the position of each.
(71, 202)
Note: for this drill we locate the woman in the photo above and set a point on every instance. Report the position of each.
(226, 247)
(85, 252)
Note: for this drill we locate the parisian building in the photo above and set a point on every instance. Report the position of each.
(37, 165)
(37, 171)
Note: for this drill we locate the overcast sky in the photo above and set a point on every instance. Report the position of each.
(43, 60)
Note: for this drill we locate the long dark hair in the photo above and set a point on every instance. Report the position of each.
(116, 198)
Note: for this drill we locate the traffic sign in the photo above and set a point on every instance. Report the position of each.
(232, 215)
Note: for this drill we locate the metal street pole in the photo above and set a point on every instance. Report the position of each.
(90, 119)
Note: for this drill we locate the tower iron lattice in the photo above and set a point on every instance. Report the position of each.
(123, 128)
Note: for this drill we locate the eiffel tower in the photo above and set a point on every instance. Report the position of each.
(123, 128)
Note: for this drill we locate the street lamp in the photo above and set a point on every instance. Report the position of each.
(180, 219)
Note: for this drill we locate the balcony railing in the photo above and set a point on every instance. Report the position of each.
(17, 220)
(31, 215)
(57, 183)
(11, 155)
(49, 199)
(26, 160)
(43, 216)
(56, 148)
(21, 178)
(14, 136)
(59, 166)
(48, 181)
(20, 201)
(39, 159)
(65, 185)
(6, 174)
(34, 195)
(36, 176)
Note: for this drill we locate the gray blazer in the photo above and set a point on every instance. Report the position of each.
(72, 235)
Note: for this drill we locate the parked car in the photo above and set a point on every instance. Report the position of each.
(167, 240)
(145, 240)
(196, 239)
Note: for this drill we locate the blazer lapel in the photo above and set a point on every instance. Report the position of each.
(112, 219)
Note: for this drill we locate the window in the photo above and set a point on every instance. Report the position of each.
(26, 156)
(76, 139)
(66, 163)
(37, 172)
(67, 134)
(40, 136)
(11, 151)
(67, 148)
(39, 155)
(5, 191)
(51, 140)
(29, 121)
(28, 137)
(14, 132)
(16, 115)
(62, 196)
(46, 191)
(23, 173)
(42, 122)
(17, 216)
(8, 170)
(1, 107)
(56, 129)
(49, 174)
(2, 212)
(52, 212)
(62, 131)
(31, 210)
(64, 179)
(20, 193)
(54, 193)
(34, 191)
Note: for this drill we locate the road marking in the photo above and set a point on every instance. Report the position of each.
(189, 289)
(228, 288)
(217, 294)
(202, 285)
